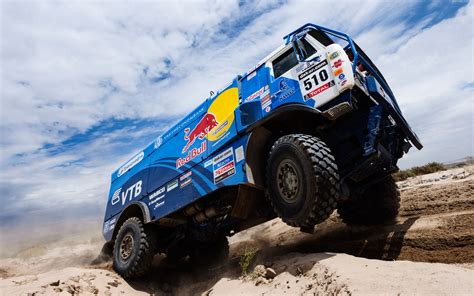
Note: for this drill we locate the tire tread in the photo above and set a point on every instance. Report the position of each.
(327, 178)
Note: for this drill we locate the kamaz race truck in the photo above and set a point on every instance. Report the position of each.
(312, 128)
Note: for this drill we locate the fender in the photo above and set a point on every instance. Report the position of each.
(285, 109)
(129, 211)
(261, 134)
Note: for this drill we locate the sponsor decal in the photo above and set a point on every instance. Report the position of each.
(266, 100)
(191, 155)
(338, 72)
(333, 55)
(343, 82)
(172, 185)
(312, 69)
(268, 109)
(155, 200)
(312, 79)
(131, 163)
(157, 192)
(106, 227)
(202, 128)
(222, 126)
(252, 69)
(109, 225)
(208, 163)
(159, 205)
(251, 75)
(239, 154)
(301, 66)
(285, 93)
(187, 175)
(319, 90)
(133, 191)
(185, 182)
(342, 76)
(255, 95)
(337, 63)
(223, 165)
(158, 142)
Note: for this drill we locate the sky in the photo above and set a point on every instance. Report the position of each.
(85, 85)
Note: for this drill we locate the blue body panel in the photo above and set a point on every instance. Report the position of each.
(206, 149)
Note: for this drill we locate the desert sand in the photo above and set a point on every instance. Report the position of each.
(430, 251)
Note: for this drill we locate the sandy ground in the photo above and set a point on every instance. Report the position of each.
(430, 251)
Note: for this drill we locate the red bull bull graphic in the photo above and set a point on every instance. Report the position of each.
(204, 126)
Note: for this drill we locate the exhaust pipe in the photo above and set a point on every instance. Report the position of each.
(211, 213)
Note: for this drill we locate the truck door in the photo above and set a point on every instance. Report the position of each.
(284, 87)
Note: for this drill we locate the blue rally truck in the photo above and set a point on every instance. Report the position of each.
(312, 128)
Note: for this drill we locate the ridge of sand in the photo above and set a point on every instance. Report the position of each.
(341, 274)
(296, 274)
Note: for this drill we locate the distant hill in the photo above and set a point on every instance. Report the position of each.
(432, 167)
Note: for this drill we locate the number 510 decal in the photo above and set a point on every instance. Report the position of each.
(313, 79)
(308, 82)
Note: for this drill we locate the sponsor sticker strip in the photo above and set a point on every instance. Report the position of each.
(223, 165)
(131, 163)
(312, 69)
(172, 185)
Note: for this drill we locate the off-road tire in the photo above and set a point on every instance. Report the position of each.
(378, 204)
(211, 254)
(315, 170)
(142, 251)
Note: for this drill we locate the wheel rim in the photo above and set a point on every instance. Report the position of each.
(126, 247)
(288, 181)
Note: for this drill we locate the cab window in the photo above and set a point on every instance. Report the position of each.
(284, 62)
(306, 49)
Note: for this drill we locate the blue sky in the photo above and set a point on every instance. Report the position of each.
(84, 85)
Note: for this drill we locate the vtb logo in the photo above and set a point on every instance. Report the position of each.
(204, 126)
(131, 192)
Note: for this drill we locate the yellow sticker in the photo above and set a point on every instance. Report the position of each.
(223, 108)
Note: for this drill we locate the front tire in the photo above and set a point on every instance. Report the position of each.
(302, 180)
(134, 249)
(378, 204)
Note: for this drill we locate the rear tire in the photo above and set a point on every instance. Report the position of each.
(134, 249)
(378, 204)
(302, 180)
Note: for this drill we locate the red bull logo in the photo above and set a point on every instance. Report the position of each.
(204, 126)
(191, 154)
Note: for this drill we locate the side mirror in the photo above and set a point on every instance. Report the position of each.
(298, 46)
